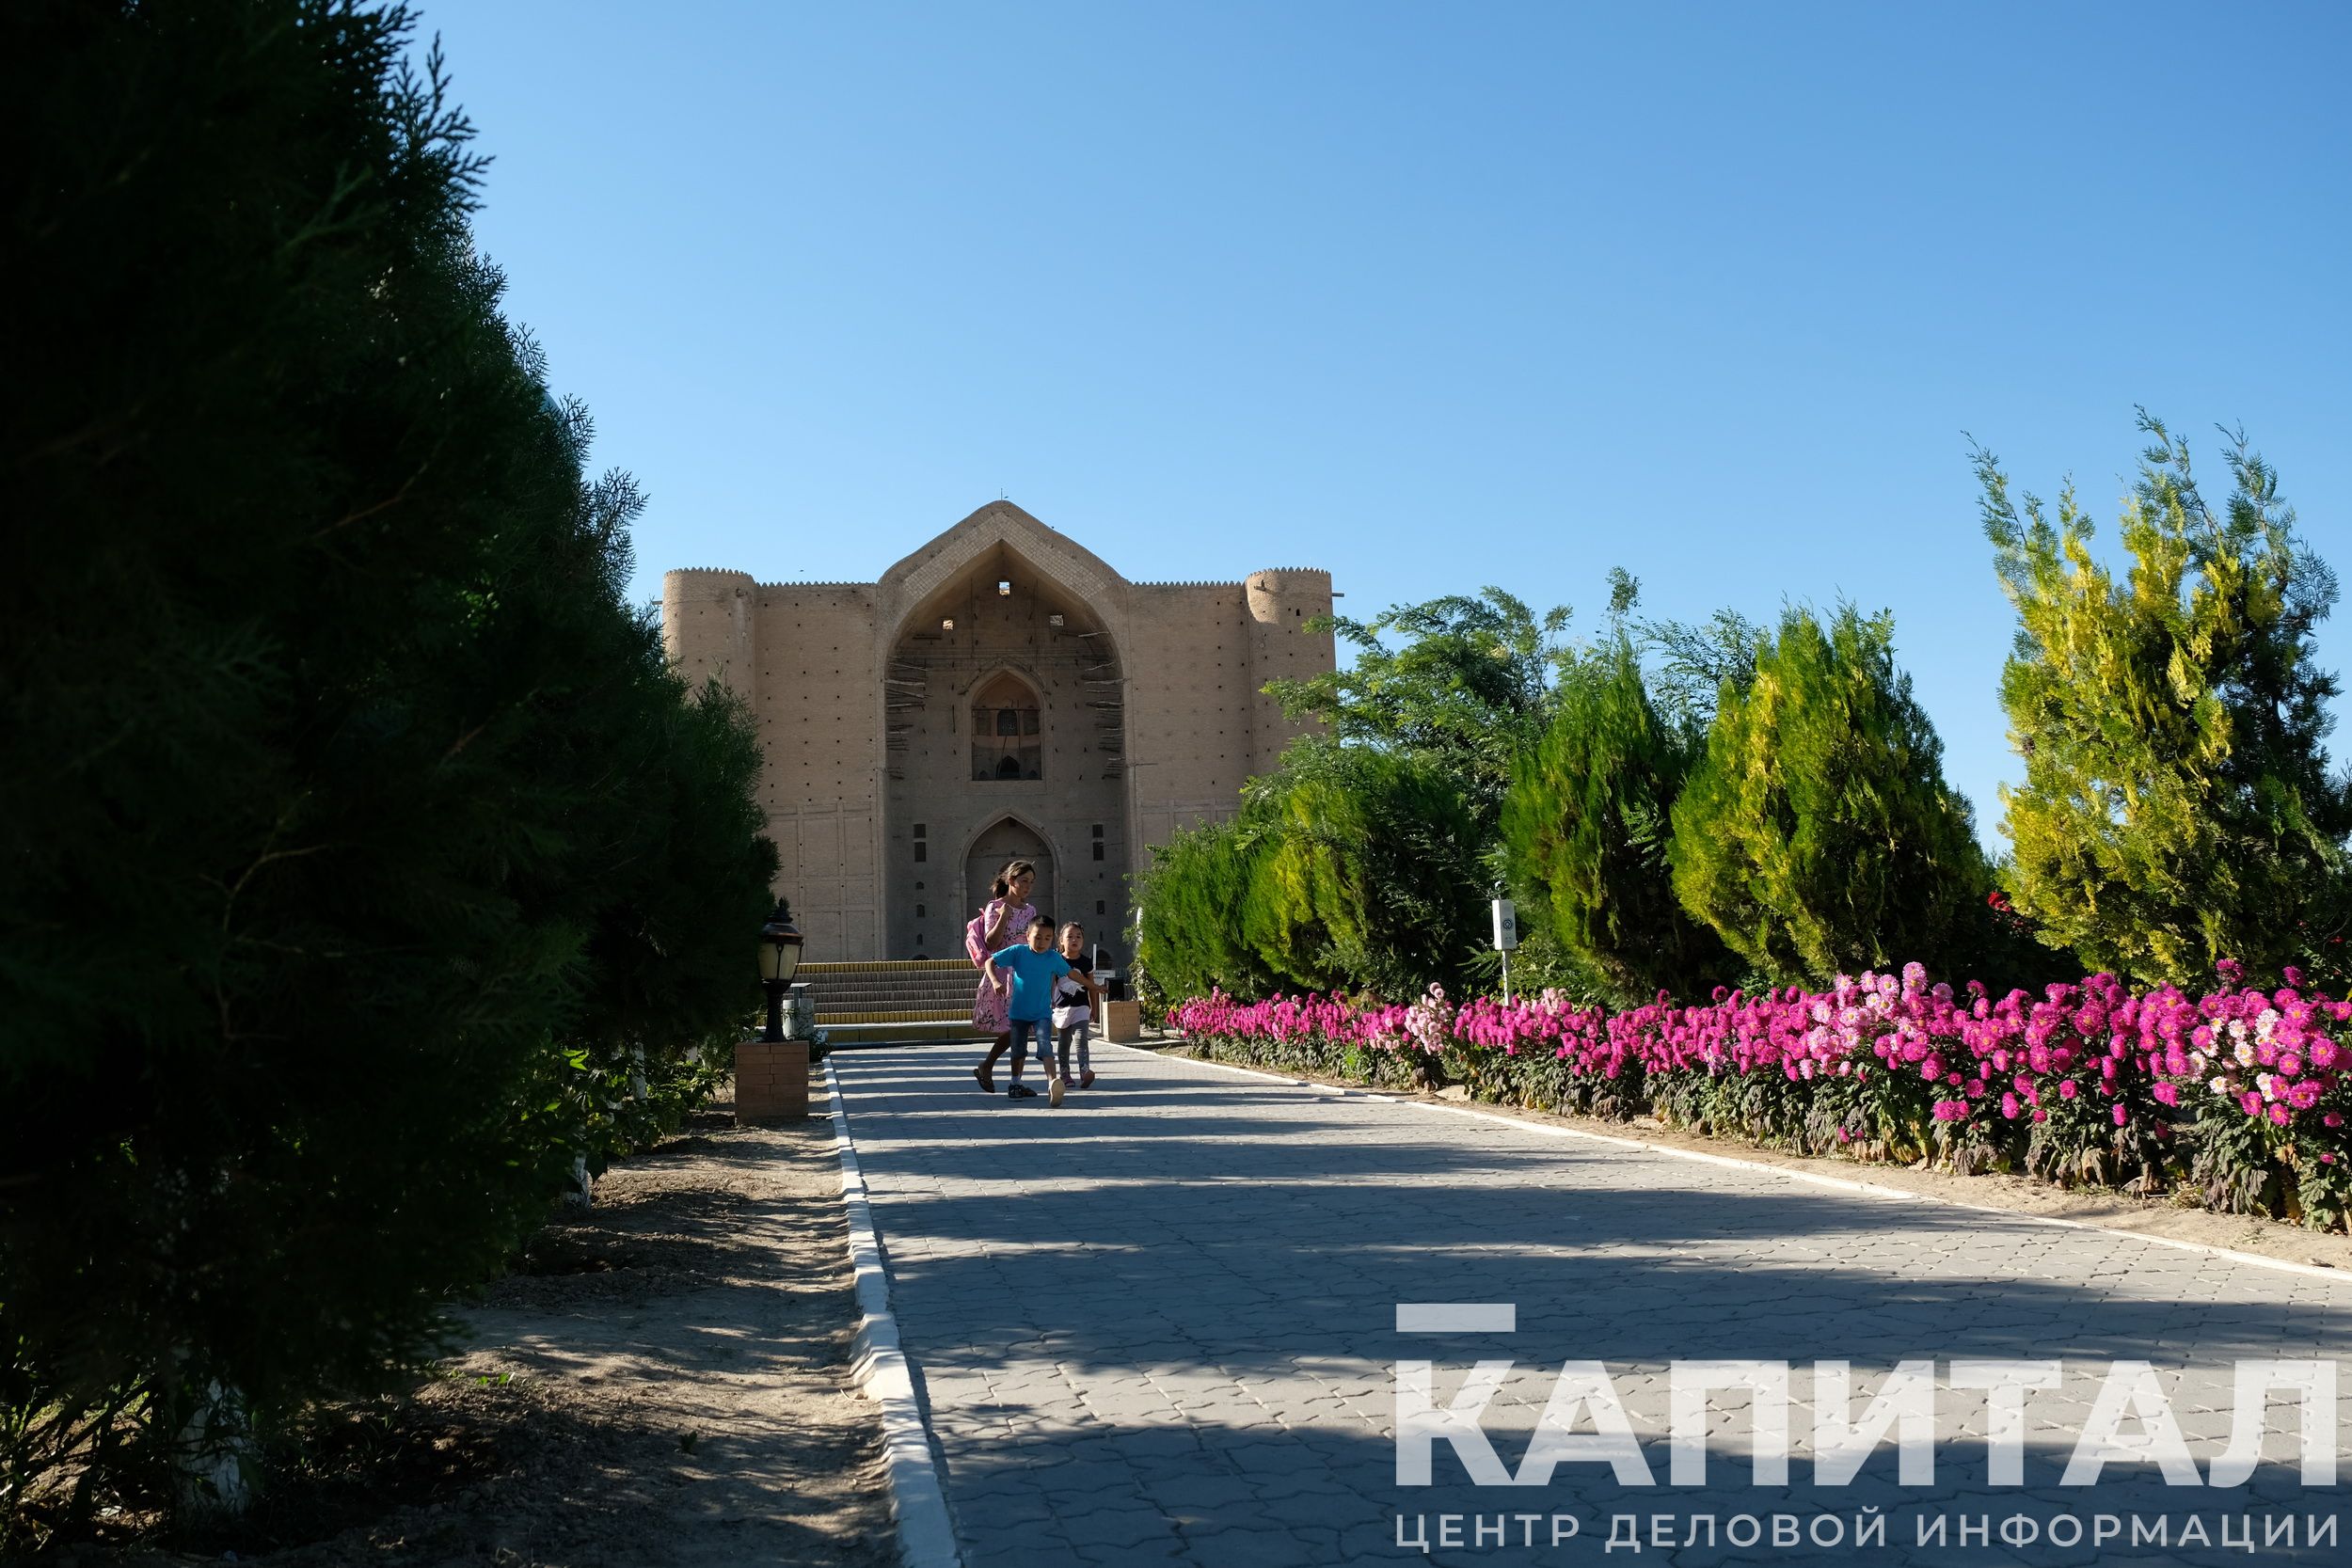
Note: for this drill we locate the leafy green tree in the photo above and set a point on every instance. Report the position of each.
(1586, 828)
(356, 841)
(1362, 881)
(1190, 897)
(1344, 869)
(1816, 834)
(2177, 807)
(1689, 662)
(1470, 685)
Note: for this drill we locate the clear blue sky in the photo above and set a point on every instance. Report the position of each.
(1435, 296)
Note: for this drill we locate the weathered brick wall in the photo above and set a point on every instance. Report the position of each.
(1281, 603)
(707, 624)
(1189, 705)
(1150, 720)
(820, 720)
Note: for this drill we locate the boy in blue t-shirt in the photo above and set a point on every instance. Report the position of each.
(1031, 971)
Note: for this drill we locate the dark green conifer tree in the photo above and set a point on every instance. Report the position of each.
(1586, 828)
(354, 833)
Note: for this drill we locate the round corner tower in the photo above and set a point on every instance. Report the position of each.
(706, 626)
(1282, 601)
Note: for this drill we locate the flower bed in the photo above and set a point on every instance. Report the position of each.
(2237, 1097)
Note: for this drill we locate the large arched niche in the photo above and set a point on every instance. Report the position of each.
(1001, 645)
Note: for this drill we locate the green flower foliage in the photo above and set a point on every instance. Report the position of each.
(2177, 807)
(1586, 826)
(1816, 834)
(1344, 869)
(358, 850)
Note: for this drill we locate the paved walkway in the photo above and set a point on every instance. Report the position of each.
(1159, 1325)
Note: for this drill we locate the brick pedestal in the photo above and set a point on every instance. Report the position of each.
(1122, 1022)
(771, 1081)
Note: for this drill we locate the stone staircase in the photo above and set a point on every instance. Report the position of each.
(888, 1003)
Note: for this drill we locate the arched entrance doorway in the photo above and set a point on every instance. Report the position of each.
(1007, 839)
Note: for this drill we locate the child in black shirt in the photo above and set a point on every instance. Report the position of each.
(1076, 1000)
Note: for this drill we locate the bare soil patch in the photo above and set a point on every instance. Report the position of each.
(665, 1380)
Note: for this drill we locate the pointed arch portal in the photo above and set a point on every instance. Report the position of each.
(1004, 723)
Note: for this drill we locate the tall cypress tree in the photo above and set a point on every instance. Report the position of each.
(349, 818)
(1816, 834)
(2177, 807)
(1586, 826)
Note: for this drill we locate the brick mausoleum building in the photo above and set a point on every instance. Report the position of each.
(1000, 692)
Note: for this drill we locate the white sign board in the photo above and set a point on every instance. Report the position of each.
(1507, 925)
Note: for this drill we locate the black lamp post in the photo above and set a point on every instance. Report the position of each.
(779, 960)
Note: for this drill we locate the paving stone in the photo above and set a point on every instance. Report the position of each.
(1117, 1526)
(1261, 1548)
(1201, 1491)
(1172, 1549)
(1183, 1351)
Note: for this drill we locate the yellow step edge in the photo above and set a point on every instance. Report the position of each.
(826, 1017)
(891, 1033)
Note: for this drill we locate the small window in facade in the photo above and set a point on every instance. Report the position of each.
(922, 851)
(1003, 589)
(1006, 725)
(1098, 848)
(1098, 830)
(1099, 908)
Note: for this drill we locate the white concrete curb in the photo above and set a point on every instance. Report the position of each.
(927, 1537)
(1869, 1188)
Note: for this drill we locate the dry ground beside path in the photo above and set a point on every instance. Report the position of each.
(665, 1381)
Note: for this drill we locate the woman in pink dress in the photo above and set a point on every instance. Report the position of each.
(1002, 920)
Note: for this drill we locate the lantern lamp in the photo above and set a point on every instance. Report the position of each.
(779, 960)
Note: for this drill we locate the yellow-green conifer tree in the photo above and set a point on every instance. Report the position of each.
(1816, 834)
(2177, 807)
